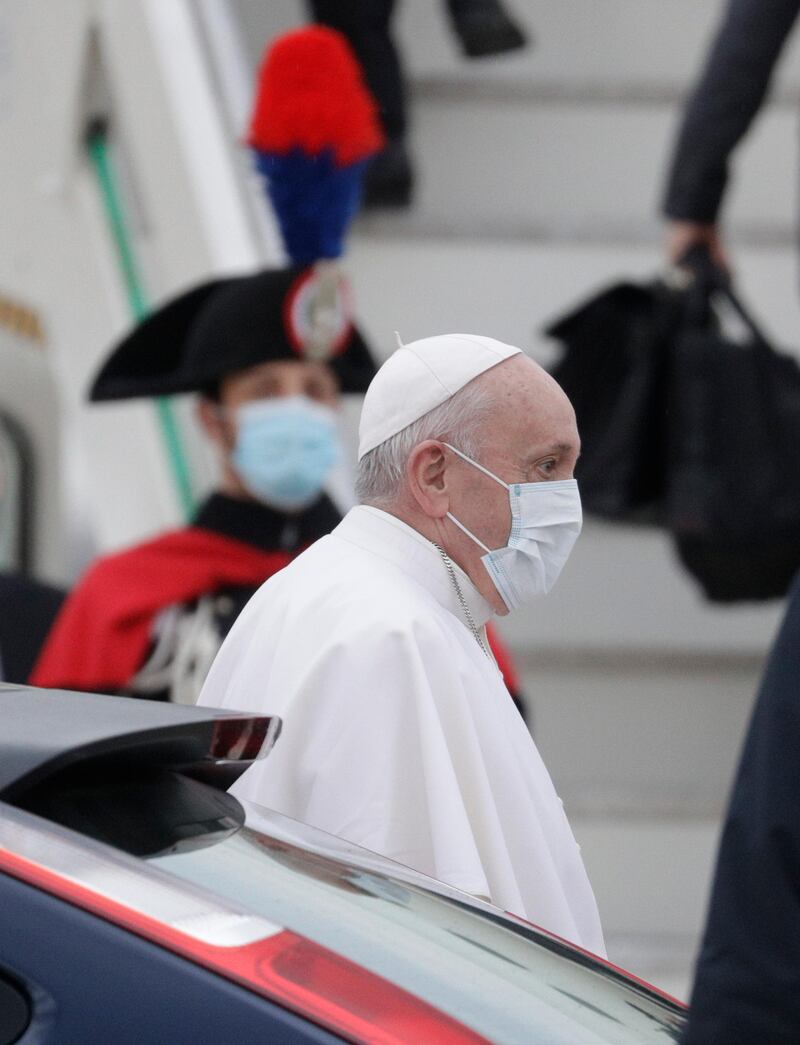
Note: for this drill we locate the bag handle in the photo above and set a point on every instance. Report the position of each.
(745, 315)
(707, 278)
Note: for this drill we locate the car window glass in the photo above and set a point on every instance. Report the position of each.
(484, 974)
(277, 825)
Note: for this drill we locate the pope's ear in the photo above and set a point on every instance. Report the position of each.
(427, 478)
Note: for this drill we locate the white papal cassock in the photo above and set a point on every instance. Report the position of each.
(399, 734)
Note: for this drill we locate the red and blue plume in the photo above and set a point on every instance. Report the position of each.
(314, 129)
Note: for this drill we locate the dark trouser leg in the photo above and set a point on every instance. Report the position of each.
(484, 27)
(366, 24)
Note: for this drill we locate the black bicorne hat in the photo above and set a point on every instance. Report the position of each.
(234, 323)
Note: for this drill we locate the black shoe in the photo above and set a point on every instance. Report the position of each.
(389, 180)
(485, 30)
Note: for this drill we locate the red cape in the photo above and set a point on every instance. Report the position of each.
(504, 661)
(101, 636)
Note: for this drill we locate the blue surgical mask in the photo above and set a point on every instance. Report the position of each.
(285, 449)
(546, 519)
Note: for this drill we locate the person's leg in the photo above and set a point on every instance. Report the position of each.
(367, 26)
(484, 27)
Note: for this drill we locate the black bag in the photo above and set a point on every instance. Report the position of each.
(614, 372)
(733, 485)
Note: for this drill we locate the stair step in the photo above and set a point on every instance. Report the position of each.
(666, 961)
(651, 882)
(660, 740)
(556, 170)
(649, 877)
(614, 42)
(512, 288)
(578, 92)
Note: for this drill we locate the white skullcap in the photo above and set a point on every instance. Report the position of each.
(420, 376)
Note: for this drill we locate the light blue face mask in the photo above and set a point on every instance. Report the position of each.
(285, 449)
(546, 519)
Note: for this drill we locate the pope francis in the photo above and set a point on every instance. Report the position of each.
(399, 734)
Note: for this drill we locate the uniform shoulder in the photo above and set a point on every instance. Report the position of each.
(146, 554)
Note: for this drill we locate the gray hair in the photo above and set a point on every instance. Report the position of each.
(381, 473)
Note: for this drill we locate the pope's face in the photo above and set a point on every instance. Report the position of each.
(530, 436)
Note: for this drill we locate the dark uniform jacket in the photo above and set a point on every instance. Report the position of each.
(149, 620)
(747, 987)
(27, 611)
(722, 105)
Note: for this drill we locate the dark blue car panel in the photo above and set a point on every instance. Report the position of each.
(92, 983)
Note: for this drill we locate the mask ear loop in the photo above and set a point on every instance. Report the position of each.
(480, 467)
(491, 475)
(463, 528)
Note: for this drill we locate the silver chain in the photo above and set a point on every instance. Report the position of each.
(460, 595)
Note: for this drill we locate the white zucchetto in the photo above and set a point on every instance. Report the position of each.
(420, 376)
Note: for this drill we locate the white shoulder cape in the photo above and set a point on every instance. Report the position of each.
(399, 734)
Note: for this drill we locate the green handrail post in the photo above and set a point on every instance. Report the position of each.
(97, 142)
